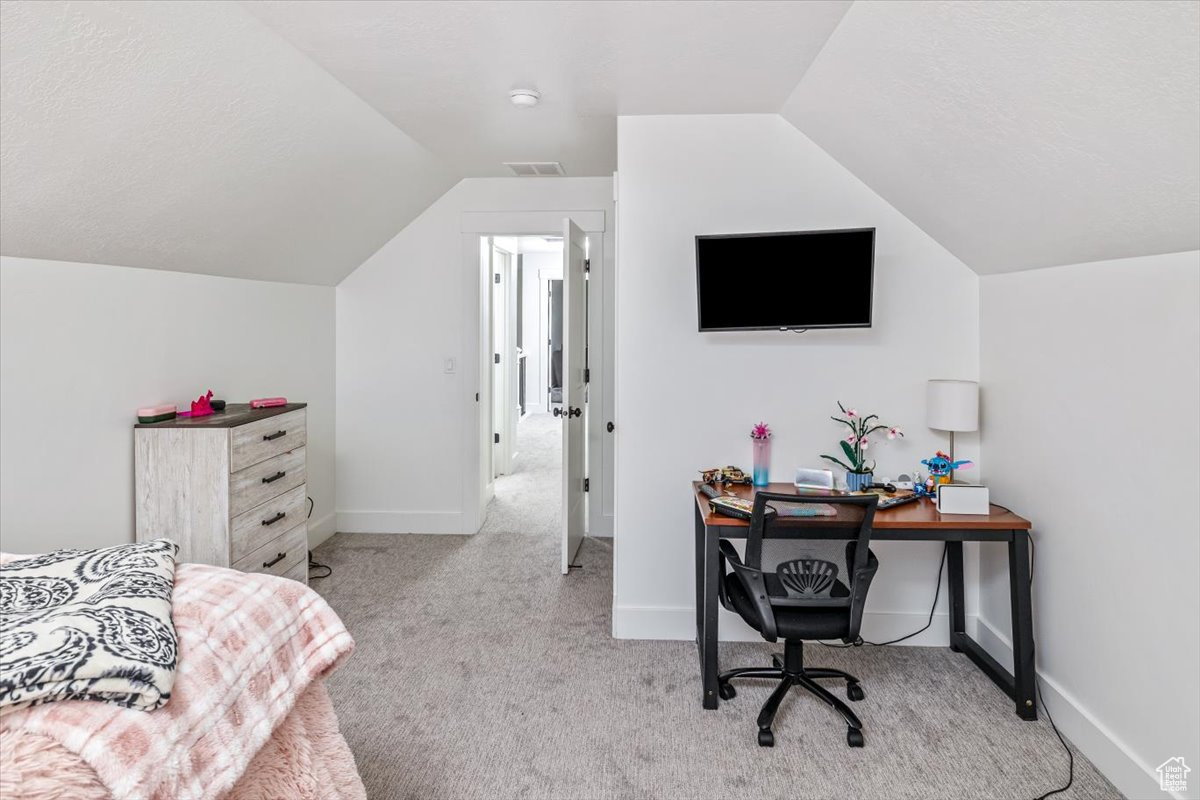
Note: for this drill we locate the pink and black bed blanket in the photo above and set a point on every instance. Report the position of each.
(246, 714)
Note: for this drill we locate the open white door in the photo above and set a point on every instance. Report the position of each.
(574, 390)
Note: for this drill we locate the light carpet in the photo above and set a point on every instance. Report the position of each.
(481, 672)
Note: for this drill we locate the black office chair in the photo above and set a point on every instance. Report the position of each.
(796, 584)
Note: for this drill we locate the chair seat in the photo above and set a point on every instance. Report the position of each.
(792, 623)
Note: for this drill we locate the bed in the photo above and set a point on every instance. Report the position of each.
(248, 717)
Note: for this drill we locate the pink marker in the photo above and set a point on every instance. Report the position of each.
(268, 402)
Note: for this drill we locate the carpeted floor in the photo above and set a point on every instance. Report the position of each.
(481, 672)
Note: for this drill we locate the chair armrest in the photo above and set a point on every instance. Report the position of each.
(755, 586)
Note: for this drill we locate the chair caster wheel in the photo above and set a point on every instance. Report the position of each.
(854, 737)
(855, 692)
(767, 739)
(727, 691)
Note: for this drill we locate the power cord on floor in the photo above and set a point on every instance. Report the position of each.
(936, 594)
(312, 562)
(1036, 681)
(1037, 685)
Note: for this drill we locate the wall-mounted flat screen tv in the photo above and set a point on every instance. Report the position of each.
(780, 281)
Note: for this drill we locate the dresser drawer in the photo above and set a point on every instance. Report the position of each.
(257, 484)
(280, 555)
(263, 523)
(258, 441)
(298, 572)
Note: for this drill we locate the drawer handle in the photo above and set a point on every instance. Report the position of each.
(272, 437)
(279, 557)
(275, 518)
(274, 477)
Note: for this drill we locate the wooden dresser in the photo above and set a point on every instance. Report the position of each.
(229, 488)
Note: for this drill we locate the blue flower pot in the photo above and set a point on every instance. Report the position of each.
(857, 481)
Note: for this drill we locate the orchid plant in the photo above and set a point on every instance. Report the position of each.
(760, 431)
(856, 444)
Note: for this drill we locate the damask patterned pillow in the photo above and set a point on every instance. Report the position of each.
(89, 625)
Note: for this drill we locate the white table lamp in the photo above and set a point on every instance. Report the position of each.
(952, 406)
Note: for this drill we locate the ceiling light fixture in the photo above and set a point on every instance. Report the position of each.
(524, 98)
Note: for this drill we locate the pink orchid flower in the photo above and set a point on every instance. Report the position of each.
(851, 439)
(863, 443)
(895, 433)
(851, 413)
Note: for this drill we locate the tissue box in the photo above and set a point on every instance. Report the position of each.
(963, 498)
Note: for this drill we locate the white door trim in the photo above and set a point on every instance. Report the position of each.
(475, 224)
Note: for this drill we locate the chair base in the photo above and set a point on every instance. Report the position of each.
(790, 672)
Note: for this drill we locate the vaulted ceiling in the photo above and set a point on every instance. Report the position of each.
(289, 140)
(1019, 135)
(442, 70)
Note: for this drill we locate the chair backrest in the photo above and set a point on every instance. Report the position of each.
(809, 555)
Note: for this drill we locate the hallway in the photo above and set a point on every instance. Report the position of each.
(528, 502)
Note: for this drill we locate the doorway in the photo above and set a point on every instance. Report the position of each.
(534, 378)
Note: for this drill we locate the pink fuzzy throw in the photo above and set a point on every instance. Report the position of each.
(249, 647)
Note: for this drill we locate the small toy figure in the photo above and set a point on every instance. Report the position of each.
(723, 475)
(940, 470)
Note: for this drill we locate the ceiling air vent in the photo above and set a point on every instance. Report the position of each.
(535, 169)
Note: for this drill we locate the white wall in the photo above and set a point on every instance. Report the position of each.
(83, 346)
(536, 331)
(686, 400)
(1091, 387)
(402, 421)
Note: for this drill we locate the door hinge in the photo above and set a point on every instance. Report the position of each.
(496, 438)
(477, 397)
(587, 265)
(497, 358)
(497, 277)
(587, 484)
(587, 376)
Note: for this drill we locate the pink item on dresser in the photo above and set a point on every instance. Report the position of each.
(249, 647)
(268, 402)
(201, 406)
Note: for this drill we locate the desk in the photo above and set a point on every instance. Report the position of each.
(913, 522)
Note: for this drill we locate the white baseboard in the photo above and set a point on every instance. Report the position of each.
(320, 530)
(1132, 776)
(401, 522)
(661, 622)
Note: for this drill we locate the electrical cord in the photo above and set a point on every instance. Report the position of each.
(312, 562)
(936, 594)
(1036, 681)
(1037, 685)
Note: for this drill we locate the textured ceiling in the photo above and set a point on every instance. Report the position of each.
(1019, 135)
(289, 140)
(441, 71)
(186, 136)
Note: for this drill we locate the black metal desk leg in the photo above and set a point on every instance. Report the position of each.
(699, 578)
(1022, 625)
(710, 667)
(958, 611)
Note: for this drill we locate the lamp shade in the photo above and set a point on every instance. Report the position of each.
(952, 405)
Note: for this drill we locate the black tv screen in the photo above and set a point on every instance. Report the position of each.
(774, 281)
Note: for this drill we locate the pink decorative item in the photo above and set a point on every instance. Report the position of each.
(201, 407)
(268, 402)
(760, 435)
(151, 414)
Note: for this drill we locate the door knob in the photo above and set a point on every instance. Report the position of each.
(574, 412)
(558, 411)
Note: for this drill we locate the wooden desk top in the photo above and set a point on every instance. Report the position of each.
(921, 515)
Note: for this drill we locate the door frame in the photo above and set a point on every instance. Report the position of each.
(476, 487)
